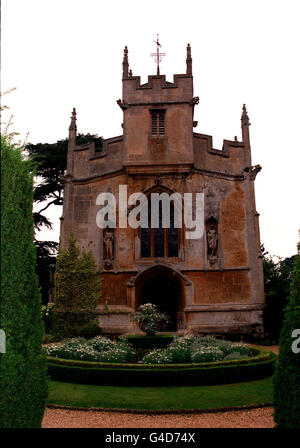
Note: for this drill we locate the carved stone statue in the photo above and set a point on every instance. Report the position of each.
(212, 240)
(108, 240)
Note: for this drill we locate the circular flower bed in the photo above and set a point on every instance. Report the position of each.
(187, 349)
(187, 360)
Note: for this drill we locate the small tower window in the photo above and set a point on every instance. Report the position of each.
(158, 122)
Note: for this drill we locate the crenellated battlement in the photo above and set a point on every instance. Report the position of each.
(158, 90)
(158, 123)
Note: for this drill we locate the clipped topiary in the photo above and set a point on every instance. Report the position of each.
(149, 319)
(286, 379)
(23, 380)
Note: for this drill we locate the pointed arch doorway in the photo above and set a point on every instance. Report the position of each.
(162, 287)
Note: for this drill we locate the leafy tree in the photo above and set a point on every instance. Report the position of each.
(45, 265)
(50, 162)
(23, 381)
(277, 279)
(286, 379)
(77, 290)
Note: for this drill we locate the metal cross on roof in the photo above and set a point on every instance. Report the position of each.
(157, 56)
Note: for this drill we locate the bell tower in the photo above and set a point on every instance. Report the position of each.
(158, 119)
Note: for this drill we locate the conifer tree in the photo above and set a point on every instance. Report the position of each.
(286, 379)
(77, 289)
(23, 380)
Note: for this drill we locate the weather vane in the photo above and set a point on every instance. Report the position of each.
(157, 56)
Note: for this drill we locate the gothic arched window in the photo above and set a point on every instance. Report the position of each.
(160, 242)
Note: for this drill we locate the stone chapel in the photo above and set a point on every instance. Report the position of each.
(213, 284)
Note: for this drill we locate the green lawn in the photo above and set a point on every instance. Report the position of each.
(200, 397)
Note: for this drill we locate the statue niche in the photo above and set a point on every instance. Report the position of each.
(108, 248)
(212, 240)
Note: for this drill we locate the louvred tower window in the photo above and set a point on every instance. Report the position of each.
(157, 122)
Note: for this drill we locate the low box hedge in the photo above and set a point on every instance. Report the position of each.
(260, 366)
(260, 355)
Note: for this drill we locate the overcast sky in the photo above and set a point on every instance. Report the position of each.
(65, 53)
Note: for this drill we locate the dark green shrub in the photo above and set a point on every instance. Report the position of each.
(180, 349)
(90, 330)
(102, 343)
(47, 316)
(120, 353)
(286, 379)
(158, 356)
(180, 355)
(207, 354)
(225, 346)
(206, 341)
(23, 381)
(48, 338)
(69, 324)
(242, 349)
(149, 342)
(277, 280)
(77, 290)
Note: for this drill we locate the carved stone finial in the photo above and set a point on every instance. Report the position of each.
(130, 73)
(73, 126)
(125, 63)
(245, 117)
(245, 126)
(188, 60)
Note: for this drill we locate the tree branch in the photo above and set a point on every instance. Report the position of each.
(48, 205)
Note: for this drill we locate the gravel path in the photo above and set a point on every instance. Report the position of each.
(253, 418)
